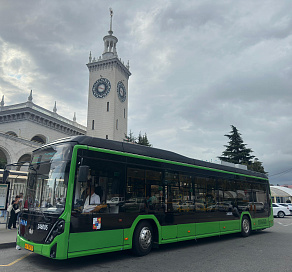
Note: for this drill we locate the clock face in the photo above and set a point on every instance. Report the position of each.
(101, 88)
(121, 90)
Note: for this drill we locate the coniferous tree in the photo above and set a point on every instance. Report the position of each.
(236, 151)
(256, 166)
(130, 138)
(141, 140)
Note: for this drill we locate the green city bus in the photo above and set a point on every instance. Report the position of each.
(146, 197)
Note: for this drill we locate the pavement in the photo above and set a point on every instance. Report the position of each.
(7, 237)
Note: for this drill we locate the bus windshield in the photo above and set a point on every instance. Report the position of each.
(48, 179)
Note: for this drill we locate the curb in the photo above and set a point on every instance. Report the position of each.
(7, 245)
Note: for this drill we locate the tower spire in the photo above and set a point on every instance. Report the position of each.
(111, 21)
(110, 42)
(2, 101)
(55, 108)
(30, 97)
(90, 58)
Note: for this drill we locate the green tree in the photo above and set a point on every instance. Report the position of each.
(130, 138)
(3, 162)
(256, 166)
(236, 151)
(143, 140)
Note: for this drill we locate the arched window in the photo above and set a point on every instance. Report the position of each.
(12, 133)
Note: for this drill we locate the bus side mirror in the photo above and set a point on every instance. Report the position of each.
(83, 173)
(5, 175)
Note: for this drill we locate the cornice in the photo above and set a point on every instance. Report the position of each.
(102, 64)
(29, 114)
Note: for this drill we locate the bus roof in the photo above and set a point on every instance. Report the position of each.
(132, 148)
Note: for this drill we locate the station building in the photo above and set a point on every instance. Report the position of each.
(27, 126)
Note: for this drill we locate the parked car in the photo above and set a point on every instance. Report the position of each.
(289, 205)
(279, 210)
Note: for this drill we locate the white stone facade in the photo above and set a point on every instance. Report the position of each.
(15, 148)
(109, 114)
(26, 126)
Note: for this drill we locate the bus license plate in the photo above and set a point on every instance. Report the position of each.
(28, 247)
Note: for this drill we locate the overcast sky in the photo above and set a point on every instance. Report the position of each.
(197, 67)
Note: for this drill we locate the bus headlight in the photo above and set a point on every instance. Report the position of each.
(56, 230)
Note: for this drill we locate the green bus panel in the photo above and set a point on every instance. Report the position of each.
(207, 228)
(186, 230)
(226, 226)
(95, 240)
(169, 232)
(260, 223)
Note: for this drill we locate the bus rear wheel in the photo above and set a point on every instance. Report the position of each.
(142, 239)
(245, 226)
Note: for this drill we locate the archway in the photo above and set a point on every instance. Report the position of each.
(24, 160)
(3, 159)
(39, 138)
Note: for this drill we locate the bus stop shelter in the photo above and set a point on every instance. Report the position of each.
(14, 186)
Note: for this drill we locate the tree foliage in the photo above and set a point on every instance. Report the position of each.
(141, 139)
(130, 138)
(3, 163)
(237, 153)
(256, 166)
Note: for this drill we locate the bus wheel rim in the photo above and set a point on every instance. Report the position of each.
(145, 238)
(245, 226)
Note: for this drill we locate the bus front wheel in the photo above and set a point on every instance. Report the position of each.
(142, 239)
(245, 226)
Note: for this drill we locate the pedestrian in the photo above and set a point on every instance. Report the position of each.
(13, 213)
(20, 205)
(20, 199)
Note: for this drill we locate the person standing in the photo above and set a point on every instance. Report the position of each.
(20, 205)
(13, 214)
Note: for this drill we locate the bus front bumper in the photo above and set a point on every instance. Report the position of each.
(47, 250)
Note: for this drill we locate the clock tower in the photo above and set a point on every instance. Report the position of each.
(108, 92)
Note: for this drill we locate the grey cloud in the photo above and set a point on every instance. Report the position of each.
(197, 67)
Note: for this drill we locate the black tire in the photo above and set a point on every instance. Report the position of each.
(281, 214)
(142, 239)
(245, 226)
